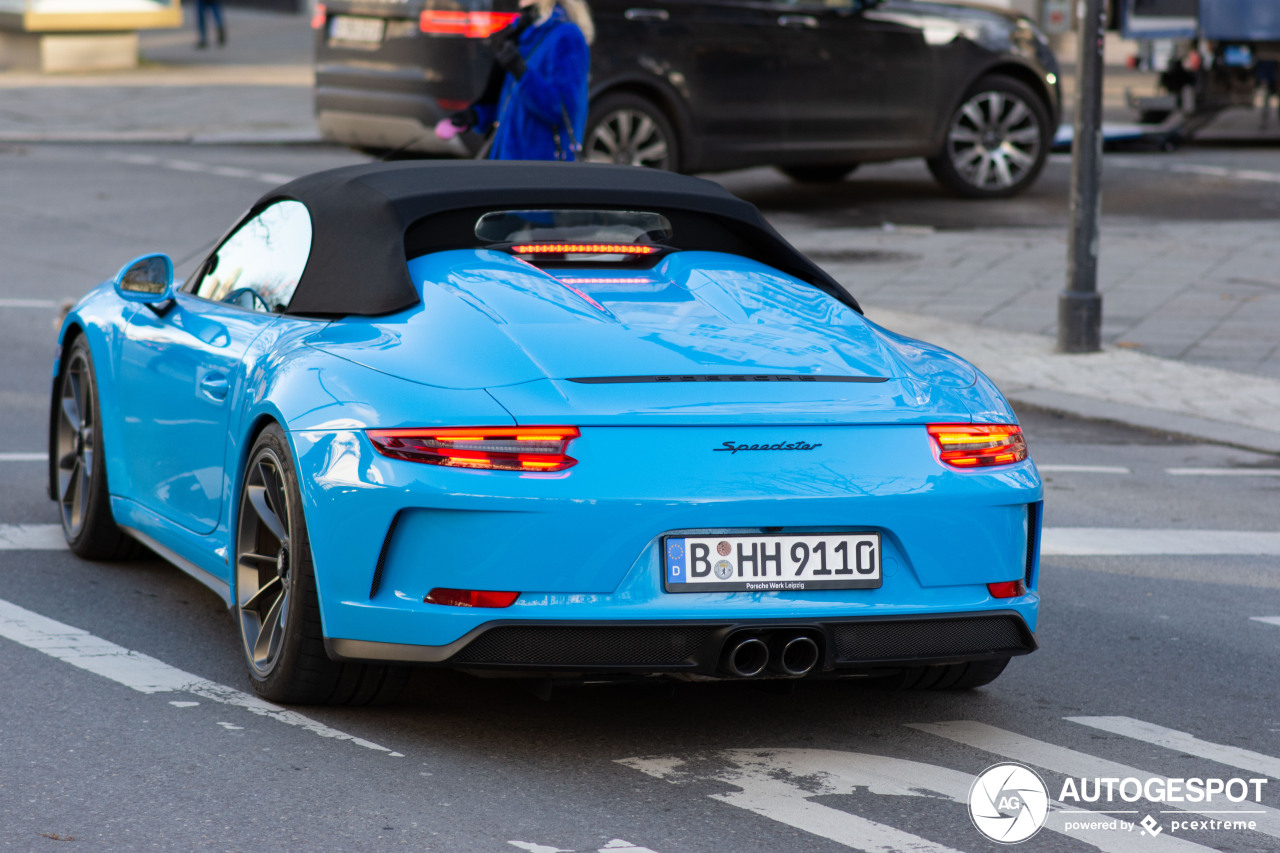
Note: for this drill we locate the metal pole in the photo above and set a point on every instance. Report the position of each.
(1080, 305)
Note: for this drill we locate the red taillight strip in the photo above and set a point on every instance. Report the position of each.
(583, 249)
(485, 448)
(318, 19)
(473, 25)
(471, 597)
(978, 445)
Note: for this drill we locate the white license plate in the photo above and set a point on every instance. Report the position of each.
(764, 563)
(365, 30)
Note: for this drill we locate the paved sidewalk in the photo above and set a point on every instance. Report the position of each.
(1191, 309)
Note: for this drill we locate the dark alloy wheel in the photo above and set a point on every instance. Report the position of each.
(997, 141)
(630, 130)
(79, 464)
(277, 608)
(825, 173)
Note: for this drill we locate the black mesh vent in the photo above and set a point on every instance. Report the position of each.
(586, 646)
(382, 557)
(1033, 512)
(928, 638)
(725, 377)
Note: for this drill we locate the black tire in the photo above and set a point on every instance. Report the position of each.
(997, 140)
(826, 173)
(955, 676)
(79, 463)
(277, 609)
(631, 130)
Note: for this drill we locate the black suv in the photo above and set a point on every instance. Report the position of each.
(814, 87)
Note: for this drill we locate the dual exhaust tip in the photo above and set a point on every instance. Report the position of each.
(782, 653)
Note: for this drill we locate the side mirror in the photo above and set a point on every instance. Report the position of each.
(146, 279)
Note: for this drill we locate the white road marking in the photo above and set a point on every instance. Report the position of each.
(1068, 762)
(1084, 469)
(537, 848)
(777, 784)
(193, 166)
(1223, 472)
(1118, 541)
(28, 303)
(1196, 169)
(617, 845)
(31, 537)
(1270, 620)
(1232, 756)
(144, 673)
(24, 457)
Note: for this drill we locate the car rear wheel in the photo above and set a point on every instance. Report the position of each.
(277, 608)
(956, 676)
(630, 130)
(997, 141)
(80, 465)
(827, 173)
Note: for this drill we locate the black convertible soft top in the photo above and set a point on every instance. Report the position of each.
(361, 214)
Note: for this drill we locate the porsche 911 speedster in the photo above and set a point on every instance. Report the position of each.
(577, 420)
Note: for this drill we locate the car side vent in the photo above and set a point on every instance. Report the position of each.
(1033, 519)
(724, 377)
(382, 557)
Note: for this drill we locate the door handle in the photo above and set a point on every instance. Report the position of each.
(647, 15)
(215, 386)
(808, 22)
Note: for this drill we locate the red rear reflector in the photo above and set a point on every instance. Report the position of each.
(455, 106)
(472, 25)
(471, 597)
(1007, 589)
(583, 249)
(978, 445)
(317, 19)
(486, 448)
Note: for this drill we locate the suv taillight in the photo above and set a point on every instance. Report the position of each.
(472, 25)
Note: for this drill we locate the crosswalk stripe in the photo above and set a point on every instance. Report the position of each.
(1270, 620)
(1232, 756)
(142, 672)
(31, 537)
(1070, 763)
(24, 457)
(1113, 541)
(777, 784)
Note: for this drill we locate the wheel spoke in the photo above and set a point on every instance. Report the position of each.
(1020, 158)
(268, 592)
(624, 127)
(964, 134)
(258, 500)
(1001, 163)
(1016, 114)
(605, 139)
(268, 634)
(983, 172)
(71, 413)
(1026, 136)
(70, 480)
(656, 152)
(971, 112)
(966, 159)
(995, 106)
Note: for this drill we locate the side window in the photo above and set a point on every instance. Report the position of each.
(258, 267)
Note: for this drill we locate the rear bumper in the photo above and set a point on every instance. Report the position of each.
(861, 645)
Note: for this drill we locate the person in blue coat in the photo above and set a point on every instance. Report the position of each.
(540, 112)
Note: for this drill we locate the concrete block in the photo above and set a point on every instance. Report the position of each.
(54, 52)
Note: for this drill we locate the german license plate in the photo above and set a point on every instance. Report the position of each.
(364, 30)
(764, 563)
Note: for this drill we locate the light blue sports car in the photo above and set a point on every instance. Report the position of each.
(576, 420)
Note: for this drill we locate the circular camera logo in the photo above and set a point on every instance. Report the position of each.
(1008, 803)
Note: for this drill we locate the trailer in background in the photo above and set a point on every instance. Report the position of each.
(1211, 55)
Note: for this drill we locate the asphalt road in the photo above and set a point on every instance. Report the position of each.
(1135, 648)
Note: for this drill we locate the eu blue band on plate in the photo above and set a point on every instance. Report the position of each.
(675, 560)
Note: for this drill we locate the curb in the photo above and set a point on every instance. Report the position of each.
(167, 137)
